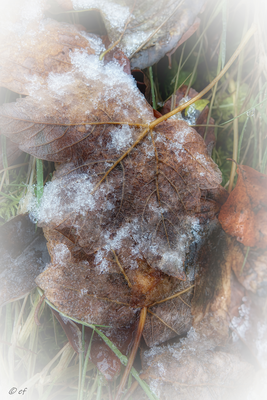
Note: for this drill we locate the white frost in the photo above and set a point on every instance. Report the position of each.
(114, 13)
(58, 83)
(63, 196)
(121, 137)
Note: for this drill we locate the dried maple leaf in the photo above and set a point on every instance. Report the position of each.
(144, 217)
(244, 215)
(23, 257)
(153, 28)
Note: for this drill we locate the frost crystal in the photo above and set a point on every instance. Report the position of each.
(115, 82)
(115, 14)
(61, 254)
(121, 137)
(58, 83)
(241, 324)
(64, 196)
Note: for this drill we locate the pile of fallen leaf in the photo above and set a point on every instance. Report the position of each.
(131, 214)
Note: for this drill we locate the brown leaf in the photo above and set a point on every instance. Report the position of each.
(244, 215)
(104, 358)
(100, 354)
(249, 266)
(166, 320)
(154, 29)
(23, 257)
(189, 370)
(75, 285)
(179, 94)
(127, 244)
(143, 84)
(201, 118)
(44, 48)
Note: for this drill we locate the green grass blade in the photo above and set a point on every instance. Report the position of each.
(152, 88)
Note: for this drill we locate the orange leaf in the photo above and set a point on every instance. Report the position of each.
(244, 215)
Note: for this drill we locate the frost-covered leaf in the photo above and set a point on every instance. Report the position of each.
(190, 369)
(60, 119)
(166, 320)
(23, 257)
(154, 27)
(144, 220)
(250, 327)
(44, 48)
(77, 285)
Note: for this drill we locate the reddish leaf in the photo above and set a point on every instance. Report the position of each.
(244, 215)
(249, 266)
(104, 358)
(100, 354)
(71, 329)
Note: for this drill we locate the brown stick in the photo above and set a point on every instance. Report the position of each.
(141, 324)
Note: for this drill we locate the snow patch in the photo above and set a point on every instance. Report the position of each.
(64, 196)
(121, 137)
(114, 13)
(58, 83)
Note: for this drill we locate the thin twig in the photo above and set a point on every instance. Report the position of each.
(173, 296)
(121, 268)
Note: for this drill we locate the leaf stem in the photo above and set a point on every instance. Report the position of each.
(139, 332)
